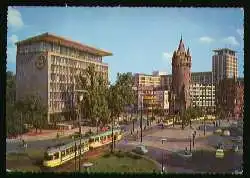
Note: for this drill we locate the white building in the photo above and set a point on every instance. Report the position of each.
(202, 95)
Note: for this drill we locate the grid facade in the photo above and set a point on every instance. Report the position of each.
(49, 66)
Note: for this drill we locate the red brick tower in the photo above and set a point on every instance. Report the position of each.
(181, 76)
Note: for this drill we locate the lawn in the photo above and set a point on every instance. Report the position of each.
(124, 163)
(25, 161)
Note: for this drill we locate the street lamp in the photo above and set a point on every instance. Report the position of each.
(162, 166)
(141, 116)
(190, 143)
(80, 131)
(80, 99)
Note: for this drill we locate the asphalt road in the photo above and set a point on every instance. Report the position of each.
(202, 161)
(43, 144)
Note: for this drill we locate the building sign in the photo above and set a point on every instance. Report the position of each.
(40, 62)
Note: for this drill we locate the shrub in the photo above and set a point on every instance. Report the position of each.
(119, 154)
(106, 155)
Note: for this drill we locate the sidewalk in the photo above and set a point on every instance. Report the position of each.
(50, 134)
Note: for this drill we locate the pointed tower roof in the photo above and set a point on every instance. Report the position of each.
(188, 52)
(181, 47)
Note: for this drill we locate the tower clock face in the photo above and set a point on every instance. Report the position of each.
(40, 62)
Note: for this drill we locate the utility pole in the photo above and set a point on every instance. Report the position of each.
(141, 115)
(153, 104)
(80, 132)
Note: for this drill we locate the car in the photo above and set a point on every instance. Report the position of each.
(75, 135)
(226, 133)
(237, 139)
(8, 170)
(238, 171)
(140, 149)
(219, 131)
(219, 153)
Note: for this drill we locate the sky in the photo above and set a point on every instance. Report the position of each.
(141, 39)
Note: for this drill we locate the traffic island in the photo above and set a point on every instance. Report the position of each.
(28, 161)
(123, 162)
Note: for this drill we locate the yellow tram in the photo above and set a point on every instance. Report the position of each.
(60, 154)
(104, 138)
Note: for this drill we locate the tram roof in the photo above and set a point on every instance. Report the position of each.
(64, 146)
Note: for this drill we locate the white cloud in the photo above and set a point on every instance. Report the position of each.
(11, 50)
(13, 39)
(206, 39)
(14, 18)
(240, 32)
(167, 60)
(167, 55)
(231, 40)
(11, 55)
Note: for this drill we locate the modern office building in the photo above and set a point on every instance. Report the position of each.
(230, 98)
(224, 64)
(202, 77)
(202, 95)
(145, 80)
(49, 65)
(152, 98)
(181, 79)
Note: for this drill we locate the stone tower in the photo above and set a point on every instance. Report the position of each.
(181, 76)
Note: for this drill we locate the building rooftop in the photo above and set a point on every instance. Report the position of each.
(66, 42)
(223, 49)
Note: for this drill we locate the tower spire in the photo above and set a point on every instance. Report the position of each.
(181, 47)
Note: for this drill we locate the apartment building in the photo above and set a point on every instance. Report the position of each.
(202, 95)
(145, 80)
(49, 65)
(224, 64)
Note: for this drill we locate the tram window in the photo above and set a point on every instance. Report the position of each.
(63, 153)
(97, 139)
(48, 157)
(91, 140)
(67, 151)
(56, 155)
(71, 149)
(78, 147)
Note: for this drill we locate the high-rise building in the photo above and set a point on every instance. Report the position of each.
(48, 66)
(224, 64)
(181, 79)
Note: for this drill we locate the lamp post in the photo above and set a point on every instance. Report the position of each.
(193, 137)
(204, 122)
(190, 143)
(162, 161)
(141, 116)
(80, 99)
(80, 132)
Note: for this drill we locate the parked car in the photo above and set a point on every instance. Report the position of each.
(219, 153)
(75, 135)
(226, 133)
(238, 171)
(140, 149)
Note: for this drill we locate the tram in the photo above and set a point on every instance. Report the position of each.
(60, 154)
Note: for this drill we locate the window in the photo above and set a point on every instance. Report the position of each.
(48, 157)
(56, 155)
(63, 153)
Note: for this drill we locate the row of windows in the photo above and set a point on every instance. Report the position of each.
(61, 87)
(52, 47)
